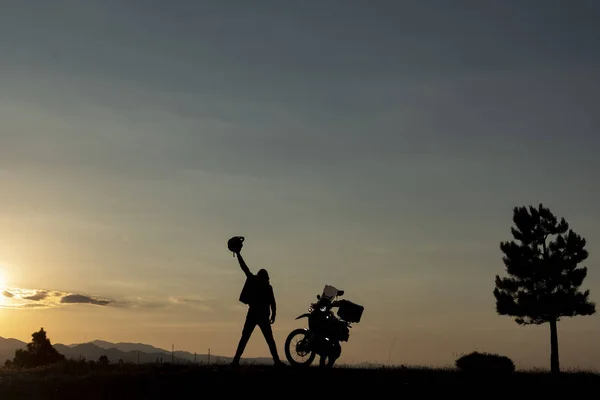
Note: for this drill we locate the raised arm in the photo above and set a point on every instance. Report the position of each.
(243, 265)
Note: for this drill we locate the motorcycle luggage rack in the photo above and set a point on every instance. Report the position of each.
(349, 311)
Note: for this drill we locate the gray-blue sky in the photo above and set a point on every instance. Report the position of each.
(375, 145)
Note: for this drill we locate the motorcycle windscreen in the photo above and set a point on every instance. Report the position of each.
(329, 292)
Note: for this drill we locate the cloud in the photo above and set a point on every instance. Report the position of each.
(43, 298)
(157, 303)
(39, 295)
(83, 299)
(205, 305)
(34, 305)
(140, 303)
(26, 294)
(24, 305)
(22, 298)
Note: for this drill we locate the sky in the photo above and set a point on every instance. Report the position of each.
(378, 147)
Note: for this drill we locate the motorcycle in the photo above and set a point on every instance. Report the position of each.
(325, 330)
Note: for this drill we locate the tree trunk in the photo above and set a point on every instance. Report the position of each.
(554, 365)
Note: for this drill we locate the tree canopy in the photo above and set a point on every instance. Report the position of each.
(38, 352)
(544, 275)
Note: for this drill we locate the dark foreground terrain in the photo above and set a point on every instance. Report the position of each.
(86, 382)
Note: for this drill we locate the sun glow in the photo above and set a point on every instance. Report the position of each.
(3, 287)
(2, 278)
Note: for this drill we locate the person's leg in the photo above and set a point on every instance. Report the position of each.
(249, 326)
(265, 327)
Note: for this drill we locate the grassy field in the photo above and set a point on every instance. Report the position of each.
(83, 381)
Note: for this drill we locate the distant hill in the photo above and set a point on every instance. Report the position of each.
(90, 351)
(146, 348)
(128, 352)
(8, 347)
(166, 354)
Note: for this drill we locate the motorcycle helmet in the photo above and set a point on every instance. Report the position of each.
(235, 244)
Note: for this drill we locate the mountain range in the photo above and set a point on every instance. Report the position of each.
(128, 352)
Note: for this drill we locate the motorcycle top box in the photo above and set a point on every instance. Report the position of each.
(349, 311)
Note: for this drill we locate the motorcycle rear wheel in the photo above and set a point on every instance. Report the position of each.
(296, 338)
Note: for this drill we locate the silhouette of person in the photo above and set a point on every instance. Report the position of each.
(258, 294)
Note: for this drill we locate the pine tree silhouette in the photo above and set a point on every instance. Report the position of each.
(544, 277)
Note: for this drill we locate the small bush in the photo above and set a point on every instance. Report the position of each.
(485, 362)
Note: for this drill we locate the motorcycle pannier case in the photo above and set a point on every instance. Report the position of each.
(349, 311)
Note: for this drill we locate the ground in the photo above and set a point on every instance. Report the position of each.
(89, 382)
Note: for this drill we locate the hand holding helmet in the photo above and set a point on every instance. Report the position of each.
(235, 244)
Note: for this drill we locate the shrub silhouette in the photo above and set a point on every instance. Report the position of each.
(485, 363)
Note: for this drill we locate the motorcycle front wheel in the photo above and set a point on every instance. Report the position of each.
(294, 351)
